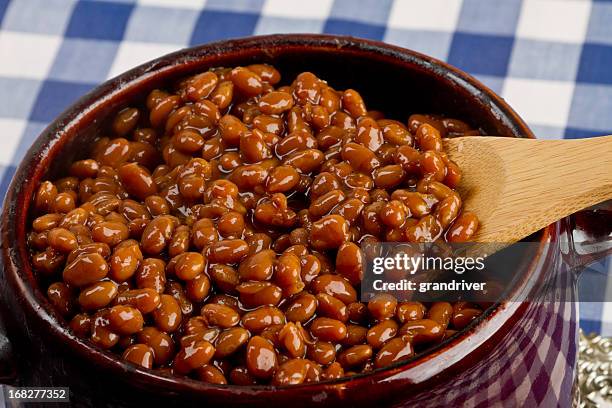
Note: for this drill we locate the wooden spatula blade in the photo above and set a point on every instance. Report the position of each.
(519, 186)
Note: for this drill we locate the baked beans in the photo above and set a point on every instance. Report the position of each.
(216, 232)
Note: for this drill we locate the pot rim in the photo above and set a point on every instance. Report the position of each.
(15, 258)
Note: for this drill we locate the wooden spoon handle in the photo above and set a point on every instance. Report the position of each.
(531, 183)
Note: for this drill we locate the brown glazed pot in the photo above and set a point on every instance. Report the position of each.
(392, 79)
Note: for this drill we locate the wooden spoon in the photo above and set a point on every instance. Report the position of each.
(519, 186)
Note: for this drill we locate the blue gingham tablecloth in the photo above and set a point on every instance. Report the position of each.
(550, 59)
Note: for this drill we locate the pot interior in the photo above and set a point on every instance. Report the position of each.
(391, 80)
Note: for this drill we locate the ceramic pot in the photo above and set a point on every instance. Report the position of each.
(516, 353)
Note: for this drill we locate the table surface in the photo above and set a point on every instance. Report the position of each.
(550, 59)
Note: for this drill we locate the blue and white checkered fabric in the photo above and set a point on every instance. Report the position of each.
(551, 59)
